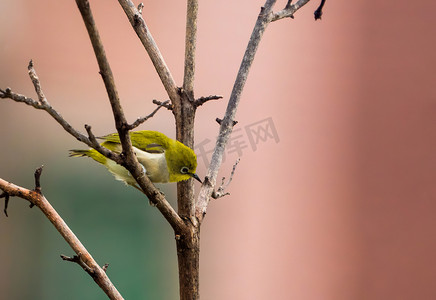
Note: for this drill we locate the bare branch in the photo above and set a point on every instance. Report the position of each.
(36, 84)
(76, 259)
(266, 16)
(130, 161)
(141, 120)
(219, 121)
(37, 175)
(7, 93)
(36, 198)
(200, 101)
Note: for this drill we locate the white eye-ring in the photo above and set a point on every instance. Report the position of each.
(184, 170)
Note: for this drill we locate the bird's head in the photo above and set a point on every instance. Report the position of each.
(181, 162)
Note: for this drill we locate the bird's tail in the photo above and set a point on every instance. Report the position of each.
(79, 153)
(90, 153)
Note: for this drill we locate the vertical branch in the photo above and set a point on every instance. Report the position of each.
(184, 113)
(190, 46)
(188, 242)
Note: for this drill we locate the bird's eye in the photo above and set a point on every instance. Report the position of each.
(184, 170)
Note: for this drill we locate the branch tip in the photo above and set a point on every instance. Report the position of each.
(219, 121)
(6, 196)
(38, 173)
(91, 135)
(221, 190)
(30, 65)
(105, 266)
(318, 11)
(140, 7)
(200, 101)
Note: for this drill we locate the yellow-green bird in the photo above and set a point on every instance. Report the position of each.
(163, 159)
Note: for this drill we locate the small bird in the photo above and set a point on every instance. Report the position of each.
(163, 159)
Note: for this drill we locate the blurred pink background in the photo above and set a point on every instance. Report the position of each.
(341, 206)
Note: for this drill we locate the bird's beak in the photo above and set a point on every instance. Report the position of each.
(195, 176)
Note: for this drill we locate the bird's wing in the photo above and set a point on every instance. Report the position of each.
(154, 148)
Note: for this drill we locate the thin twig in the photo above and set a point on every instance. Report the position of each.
(43, 104)
(219, 121)
(37, 175)
(37, 84)
(7, 93)
(288, 5)
(6, 196)
(200, 101)
(167, 106)
(35, 197)
(221, 192)
(103, 150)
(130, 161)
(141, 120)
(289, 10)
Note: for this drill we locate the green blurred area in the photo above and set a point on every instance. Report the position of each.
(114, 222)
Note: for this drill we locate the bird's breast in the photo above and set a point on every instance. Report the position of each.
(155, 165)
